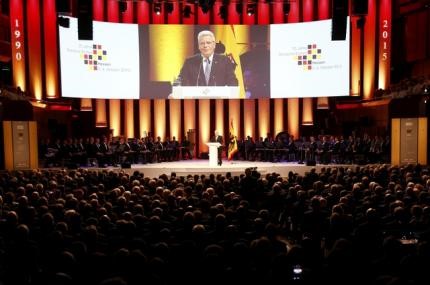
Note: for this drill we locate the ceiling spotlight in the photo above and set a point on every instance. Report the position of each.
(361, 21)
(250, 9)
(239, 8)
(286, 7)
(63, 22)
(169, 7)
(206, 5)
(122, 5)
(157, 8)
(187, 11)
(223, 12)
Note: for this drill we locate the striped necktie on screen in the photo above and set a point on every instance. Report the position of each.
(207, 70)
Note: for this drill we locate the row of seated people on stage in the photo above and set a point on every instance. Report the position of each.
(113, 151)
(105, 151)
(323, 149)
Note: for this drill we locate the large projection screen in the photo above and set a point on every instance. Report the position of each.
(305, 62)
(105, 67)
(131, 61)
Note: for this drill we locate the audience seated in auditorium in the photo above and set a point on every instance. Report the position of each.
(355, 225)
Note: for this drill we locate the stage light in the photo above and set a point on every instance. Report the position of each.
(169, 7)
(62, 6)
(206, 5)
(63, 22)
(250, 9)
(157, 8)
(187, 11)
(359, 7)
(361, 21)
(122, 5)
(223, 12)
(239, 8)
(286, 8)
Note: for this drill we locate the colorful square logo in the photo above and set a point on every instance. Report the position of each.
(305, 59)
(94, 57)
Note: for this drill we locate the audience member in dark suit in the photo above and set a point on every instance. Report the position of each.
(220, 69)
(186, 148)
(249, 148)
(123, 151)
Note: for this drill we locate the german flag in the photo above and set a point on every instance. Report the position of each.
(232, 146)
(233, 38)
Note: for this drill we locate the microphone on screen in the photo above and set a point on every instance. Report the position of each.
(198, 74)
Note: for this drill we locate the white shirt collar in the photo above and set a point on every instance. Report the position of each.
(210, 58)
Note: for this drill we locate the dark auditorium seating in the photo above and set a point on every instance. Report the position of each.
(355, 225)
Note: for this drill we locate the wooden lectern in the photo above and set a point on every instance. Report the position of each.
(20, 145)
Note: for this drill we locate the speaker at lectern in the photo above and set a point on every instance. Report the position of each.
(213, 153)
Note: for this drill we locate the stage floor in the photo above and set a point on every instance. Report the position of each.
(199, 166)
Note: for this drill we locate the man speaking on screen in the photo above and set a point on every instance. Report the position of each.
(207, 68)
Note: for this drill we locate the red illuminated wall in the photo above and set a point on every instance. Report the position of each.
(50, 50)
(18, 43)
(34, 42)
(37, 69)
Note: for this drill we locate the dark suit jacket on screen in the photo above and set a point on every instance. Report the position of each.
(222, 72)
